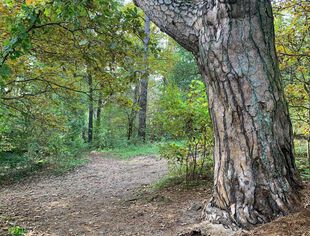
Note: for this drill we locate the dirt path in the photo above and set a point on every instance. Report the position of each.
(98, 199)
(109, 197)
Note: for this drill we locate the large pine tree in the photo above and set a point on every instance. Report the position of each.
(255, 177)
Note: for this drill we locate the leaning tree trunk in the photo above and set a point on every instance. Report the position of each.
(255, 177)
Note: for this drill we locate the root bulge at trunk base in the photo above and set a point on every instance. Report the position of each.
(246, 217)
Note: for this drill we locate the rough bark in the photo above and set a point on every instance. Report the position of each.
(255, 177)
(144, 83)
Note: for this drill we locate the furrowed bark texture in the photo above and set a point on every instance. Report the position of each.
(255, 177)
(179, 19)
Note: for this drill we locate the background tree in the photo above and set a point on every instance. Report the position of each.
(48, 51)
(144, 81)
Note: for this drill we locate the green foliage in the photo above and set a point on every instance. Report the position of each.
(303, 167)
(17, 231)
(130, 151)
(292, 43)
(112, 133)
(176, 179)
(186, 118)
(49, 50)
(60, 164)
(185, 69)
(184, 115)
(5, 144)
(302, 162)
(16, 166)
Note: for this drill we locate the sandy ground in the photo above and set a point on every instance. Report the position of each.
(111, 197)
(106, 197)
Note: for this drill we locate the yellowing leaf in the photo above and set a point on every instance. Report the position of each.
(29, 2)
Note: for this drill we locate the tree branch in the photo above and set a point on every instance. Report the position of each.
(179, 19)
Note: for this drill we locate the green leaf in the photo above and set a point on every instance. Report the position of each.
(5, 71)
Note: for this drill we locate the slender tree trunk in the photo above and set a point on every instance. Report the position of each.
(130, 129)
(90, 109)
(133, 113)
(99, 109)
(144, 83)
(98, 119)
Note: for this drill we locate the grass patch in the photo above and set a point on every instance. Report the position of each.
(167, 181)
(171, 181)
(177, 177)
(63, 165)
(17, 231)
(131, 151)
(17, 166)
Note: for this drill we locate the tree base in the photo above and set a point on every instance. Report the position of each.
(244, 218)
(215, 215)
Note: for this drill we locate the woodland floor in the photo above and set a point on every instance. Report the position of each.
(112, 197)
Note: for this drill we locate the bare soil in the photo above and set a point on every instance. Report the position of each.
(105, 197)
(113, 197)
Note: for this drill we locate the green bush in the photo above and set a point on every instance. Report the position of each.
(302, 162)
(185, 117)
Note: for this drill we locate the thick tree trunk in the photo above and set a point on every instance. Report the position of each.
(90, 109)
(255, 177)
(144, 84)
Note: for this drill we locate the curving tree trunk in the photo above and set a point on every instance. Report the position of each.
(255, 177)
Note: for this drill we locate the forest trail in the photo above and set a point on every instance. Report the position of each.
(105, 197)
(111, 197)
